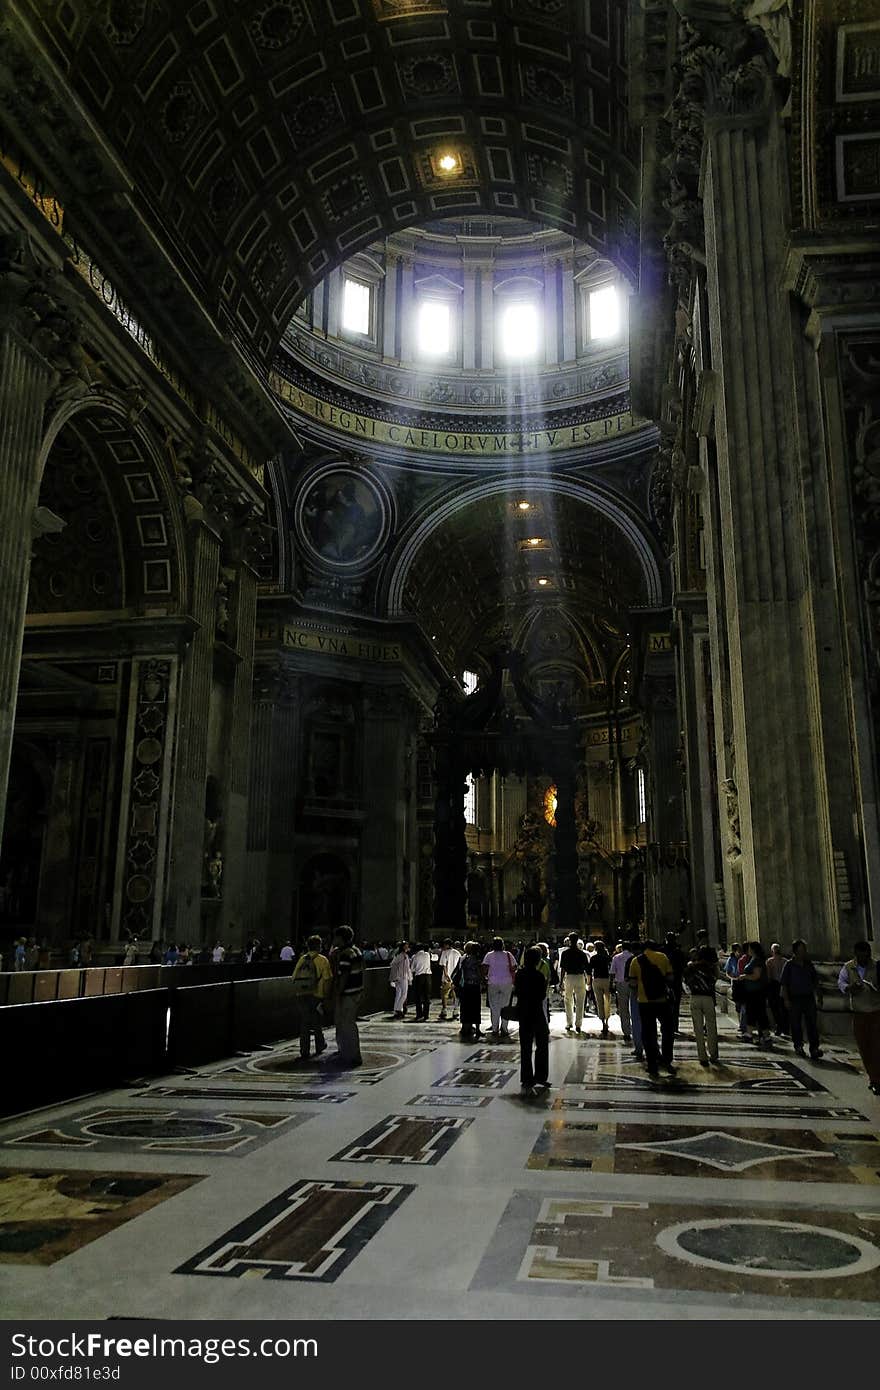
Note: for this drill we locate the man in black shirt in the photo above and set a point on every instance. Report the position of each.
(348, 968)
(574, 967)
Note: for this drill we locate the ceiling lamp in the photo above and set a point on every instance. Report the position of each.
(542, 581)
(523, 506)
(535, 540)
(449, 163)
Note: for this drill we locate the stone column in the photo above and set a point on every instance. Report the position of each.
(569, 311)
(694, 693)
(58, 863)
(407, 311)
(565, 844)
(469, 318)
(450, 844)
(487, 319)
(33, 325)
(273, 786)
(334, 302)
(382, 838)
(666, 887)
(777, 796)
(235, 887)
(551, 327)
(191, 769)
(389, 310)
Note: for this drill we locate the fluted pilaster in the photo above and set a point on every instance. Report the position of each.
(191, 769)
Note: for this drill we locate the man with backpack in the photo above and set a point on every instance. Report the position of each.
(650, 973)
(312, 982)
(348, 967)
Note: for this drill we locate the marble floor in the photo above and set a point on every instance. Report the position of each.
(422, 1184)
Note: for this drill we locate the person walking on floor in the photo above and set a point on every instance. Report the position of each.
(753, 978)
(448, 962)
(859, 981)
(348, 964)
(776, 963)
(650, 973)
(400, 977)
(700, 974)
(600, 980)
(619, 961)
(530, 989)
(468, 980)
(499, 968)
(678, 960)
(312, 982)
(799, 986)
(421, 982)
(574, 967)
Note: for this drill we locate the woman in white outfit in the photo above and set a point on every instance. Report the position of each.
(400, 977)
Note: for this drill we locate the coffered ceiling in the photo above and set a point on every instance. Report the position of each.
(267, 140)
(484, 573)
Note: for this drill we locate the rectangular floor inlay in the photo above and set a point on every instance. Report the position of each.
(164, 1131)
(405, 1139)
(769, 1251)
(47, 1215)
(781, 1155)
(765, 1075)
(661, 1100)
(487, 1078)
(312, 1230)
(272, 1093)
(454, 1099)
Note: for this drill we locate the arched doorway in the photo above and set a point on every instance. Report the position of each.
(98, 676)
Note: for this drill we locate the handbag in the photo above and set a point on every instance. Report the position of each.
(509, 1011)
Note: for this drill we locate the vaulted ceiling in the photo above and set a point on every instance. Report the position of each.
(478, 577)
(267, 140)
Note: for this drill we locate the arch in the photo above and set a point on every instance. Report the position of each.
(134, 469)
(401, 562)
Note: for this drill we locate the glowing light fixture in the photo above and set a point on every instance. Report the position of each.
(449, 163)
(542, 581)
(523, 506)
(535, 540)
(551, 801)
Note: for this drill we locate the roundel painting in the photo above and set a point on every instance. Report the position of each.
(342, 517)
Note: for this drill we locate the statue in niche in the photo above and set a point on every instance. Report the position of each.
(734, 840)
(221, 607)
(215, 874)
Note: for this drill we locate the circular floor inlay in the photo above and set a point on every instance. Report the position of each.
(371, 1061)
(160, 1127)
(769, 1249)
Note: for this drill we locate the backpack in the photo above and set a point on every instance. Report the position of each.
(305, 976)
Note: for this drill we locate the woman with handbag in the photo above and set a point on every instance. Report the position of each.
(530, 990)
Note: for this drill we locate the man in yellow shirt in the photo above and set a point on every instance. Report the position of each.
(650, 973)
(312, 983)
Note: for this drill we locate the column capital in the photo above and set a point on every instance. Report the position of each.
(37, 307)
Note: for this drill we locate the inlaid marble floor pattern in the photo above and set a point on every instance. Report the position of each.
(423, 1184)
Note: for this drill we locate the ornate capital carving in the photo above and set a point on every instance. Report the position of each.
(36, 306)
